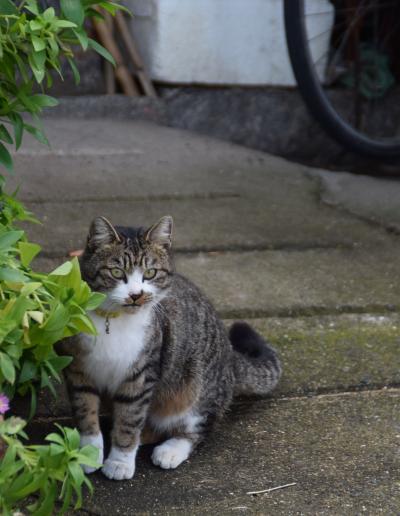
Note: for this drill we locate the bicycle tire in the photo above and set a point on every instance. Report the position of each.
(314, 96)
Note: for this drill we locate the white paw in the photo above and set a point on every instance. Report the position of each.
(118, 470)
(171, 453)
(97, 441)
(120, 464)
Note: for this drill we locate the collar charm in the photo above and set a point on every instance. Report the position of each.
(107, 315)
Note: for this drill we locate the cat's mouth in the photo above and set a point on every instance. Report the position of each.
(137, 303)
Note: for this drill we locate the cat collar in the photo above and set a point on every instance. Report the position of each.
(107, 314)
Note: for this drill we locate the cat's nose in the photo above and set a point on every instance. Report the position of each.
(135, 297)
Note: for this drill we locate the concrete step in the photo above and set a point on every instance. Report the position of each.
(339, 451)
(222, 222)
(287, 283)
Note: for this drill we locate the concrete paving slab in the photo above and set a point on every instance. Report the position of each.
(223, 222)
(122, 158)
(371, 198)
(340, 451)
(296, 283)
(221, 195)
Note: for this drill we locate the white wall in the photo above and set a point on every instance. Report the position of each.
(214, 41)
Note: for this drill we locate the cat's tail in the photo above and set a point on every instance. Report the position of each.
(256, 364)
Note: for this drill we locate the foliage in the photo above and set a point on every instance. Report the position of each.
(41, 470)
(36, 310)
(32, 44)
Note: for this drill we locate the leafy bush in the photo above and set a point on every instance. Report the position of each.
(36, 310)
(43, 471)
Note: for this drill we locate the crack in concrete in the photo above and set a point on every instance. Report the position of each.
(309, 311)
(212, 250)
(391, 229)
(137, 198)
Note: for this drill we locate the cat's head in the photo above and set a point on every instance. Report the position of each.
(132, 266)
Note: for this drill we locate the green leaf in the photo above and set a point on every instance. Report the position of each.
(38, 43)
(112, 7)
(6, 327)
(73, 11)
(75, 70)
(8, 239)
(28, 371)
(62, 270)
(22, 68)
(27, 252)
(55, 438)
(95, 300)
(60, 362)
(76, 473)
(44, 100)
(35, 61)
(5, 135)
(7, 7)
(37, 133)
(31, 5)
(72, 436)
(5, 158)
(35, 25)
(83, 324)
(82, 38)
(49, 14)
(65, 24)
(101, 50)
(18, 129)
(7, 367)
(12, 275)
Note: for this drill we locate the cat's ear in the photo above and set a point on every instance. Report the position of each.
(102, 233)
(161, 232)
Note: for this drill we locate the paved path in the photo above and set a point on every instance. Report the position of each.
(310, 259)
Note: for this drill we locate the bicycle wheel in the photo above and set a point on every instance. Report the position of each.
(343, 54)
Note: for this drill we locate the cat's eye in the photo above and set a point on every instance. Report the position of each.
(117, 273)
(149, 273)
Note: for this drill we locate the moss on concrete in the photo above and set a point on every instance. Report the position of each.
(328, 354)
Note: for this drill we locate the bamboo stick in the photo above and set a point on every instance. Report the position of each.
(129, 42)
(108, 67)
(121, 71)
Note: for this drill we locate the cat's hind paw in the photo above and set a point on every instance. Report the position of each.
(171, 453)
(115, 470)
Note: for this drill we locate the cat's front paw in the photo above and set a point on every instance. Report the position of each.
(116, 470)
(171, 453)
(97, 441)
(120, 464)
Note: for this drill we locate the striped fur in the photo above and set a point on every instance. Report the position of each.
(166, 361)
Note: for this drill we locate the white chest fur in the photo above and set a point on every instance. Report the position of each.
(112, 354)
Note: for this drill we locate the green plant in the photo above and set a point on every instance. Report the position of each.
(36, 310)
(48, 473)
(32, 44)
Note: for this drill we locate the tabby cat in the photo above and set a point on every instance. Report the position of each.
(161, 354)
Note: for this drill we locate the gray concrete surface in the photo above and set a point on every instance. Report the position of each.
(272, 242)
(273, 120)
